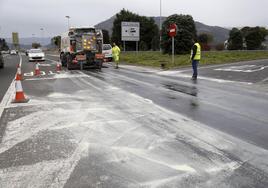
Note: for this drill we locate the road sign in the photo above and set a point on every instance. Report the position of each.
(130, 31)
(15, 38)
(172, 31)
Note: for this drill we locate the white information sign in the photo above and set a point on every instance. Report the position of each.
(130, 31)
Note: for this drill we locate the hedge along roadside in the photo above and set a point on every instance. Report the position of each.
(155, 59)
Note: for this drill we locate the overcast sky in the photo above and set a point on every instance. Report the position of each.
(28, 16)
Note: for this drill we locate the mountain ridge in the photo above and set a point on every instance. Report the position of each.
(220, 34)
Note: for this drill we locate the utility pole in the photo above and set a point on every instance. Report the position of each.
(42, 35)
(68, 18)
(160, 25)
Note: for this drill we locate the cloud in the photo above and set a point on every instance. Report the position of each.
(28, 16)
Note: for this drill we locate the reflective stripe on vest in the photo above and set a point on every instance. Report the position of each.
(198, 52)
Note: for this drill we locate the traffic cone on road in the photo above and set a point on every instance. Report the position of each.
(58, 67)
(37, 70)
(19, 98)
(18, 75)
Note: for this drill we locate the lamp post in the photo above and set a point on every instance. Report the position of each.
(68, 18)
(42, 34)
(160, 25)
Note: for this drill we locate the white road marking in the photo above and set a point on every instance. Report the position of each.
(28, 74)
(222, 65)
(51, 73)
(179, 74)
(44, 65)
(243, 68)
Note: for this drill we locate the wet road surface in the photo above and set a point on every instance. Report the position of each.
(7, 74)
(133, 127)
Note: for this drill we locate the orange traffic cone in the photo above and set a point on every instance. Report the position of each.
(19, 98)
(37, 70)
(58, 66)
(18, 75)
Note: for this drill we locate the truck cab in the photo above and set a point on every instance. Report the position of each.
(82, 48)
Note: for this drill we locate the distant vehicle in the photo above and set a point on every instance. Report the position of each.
(107, 52)
(82, 48)
(36, 55)
(1, 61)
(6, 52)
(13, 52)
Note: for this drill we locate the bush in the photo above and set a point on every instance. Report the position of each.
(143, 46)
(219, 47)
(205, 47)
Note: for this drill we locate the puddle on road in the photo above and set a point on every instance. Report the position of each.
(189, 90)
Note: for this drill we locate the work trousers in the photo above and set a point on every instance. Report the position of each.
(195, 65)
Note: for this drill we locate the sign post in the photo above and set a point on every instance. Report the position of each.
(173, 50)
(130, 31)
(172, 32)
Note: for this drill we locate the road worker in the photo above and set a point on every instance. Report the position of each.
(195, 58)
(116, 53)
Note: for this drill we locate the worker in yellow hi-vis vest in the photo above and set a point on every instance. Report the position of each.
(116, 53)
(195, 58)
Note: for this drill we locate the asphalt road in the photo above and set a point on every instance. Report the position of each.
(7, 74)
(136, 127)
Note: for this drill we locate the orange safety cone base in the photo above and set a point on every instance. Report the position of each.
(37, 72)
(20, 101)
(20, 98)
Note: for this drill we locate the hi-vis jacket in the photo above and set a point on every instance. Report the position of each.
(116, 52)
(196, 52)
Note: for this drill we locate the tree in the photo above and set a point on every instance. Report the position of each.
(3, 45)
(36, 45)
(185, 35)
(254, 38)
(148, 29)
(123, 15)
(235, 41)
(205, 39)
(155, 43)
(219, 46)
(56, 41)
(106, 37)
(143, 46)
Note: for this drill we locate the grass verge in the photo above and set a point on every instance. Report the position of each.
(155, 59)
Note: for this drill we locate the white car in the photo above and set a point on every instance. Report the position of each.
(36, 55)
(13, 52)
(107, 52)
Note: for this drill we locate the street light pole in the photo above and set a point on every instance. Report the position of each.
(160, 25)
(68, 18)
(42, 34)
